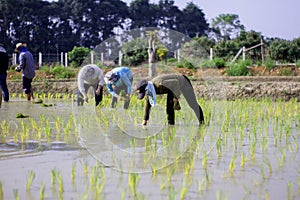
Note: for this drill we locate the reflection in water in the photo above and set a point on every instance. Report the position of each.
(45, 128)
(114, 137)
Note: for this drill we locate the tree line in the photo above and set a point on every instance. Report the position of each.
(59, 26)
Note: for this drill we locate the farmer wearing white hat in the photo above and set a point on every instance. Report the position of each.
(4, 60)
(90, 76)
(117, 80)
(26, 65)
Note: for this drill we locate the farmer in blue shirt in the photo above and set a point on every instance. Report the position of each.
(27, 67)
(117, 80)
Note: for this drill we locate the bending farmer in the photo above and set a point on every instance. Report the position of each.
(117, 80)
(90, 76)
(172, 85)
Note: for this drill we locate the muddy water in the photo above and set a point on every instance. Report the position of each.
(199, 171)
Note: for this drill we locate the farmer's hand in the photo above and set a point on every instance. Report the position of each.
(85, 98)
(98, 89)
(18, 69)
(127, 97)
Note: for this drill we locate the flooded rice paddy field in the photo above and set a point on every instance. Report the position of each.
(248, 149)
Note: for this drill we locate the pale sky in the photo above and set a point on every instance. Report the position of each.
(272, 18)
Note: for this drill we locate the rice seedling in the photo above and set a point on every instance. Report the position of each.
(36, 128)
(58, 124)
(220, 195)
(60, 183)
(172, 192)
(53, 177)
(100, 182)
(73, 172)
(86, 168)
(16, 194)
(1, 191)
(232, 165)
(5, 129)
(201, 185)
(185, 187)
(30, 180)
(133, 179)
(42, 191)
(290, 191)
(204, 160)
(219, 146)
(242, 160)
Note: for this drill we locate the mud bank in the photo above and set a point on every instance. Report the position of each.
(279, 87)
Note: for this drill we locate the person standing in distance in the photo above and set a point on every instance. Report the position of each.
(90, 76)
(26, 65)
(172, 85)
(116, 80)
(4, 60)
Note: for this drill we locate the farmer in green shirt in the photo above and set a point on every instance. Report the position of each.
(172, 85)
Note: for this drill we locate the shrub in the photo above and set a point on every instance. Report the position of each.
(172, 60)
(285, 72)
(207, 63)
(162, 52)
(270, 64)
(298, 63)
(219, 62)
(239, 69)
(45, 69)
(185, 64)
(78, 55)
(62, 72)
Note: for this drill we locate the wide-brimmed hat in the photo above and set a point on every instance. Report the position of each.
(20, 44)
(141, 88)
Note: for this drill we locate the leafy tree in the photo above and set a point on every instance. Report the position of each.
(226, 26)
(143, 14)
(228, 49)
(95, 21)
(205, 42)
(294, 50)
(168, 15)
(279, 49)
(192, 21)
(250, 39)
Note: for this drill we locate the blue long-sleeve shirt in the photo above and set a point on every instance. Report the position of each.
(125, 77)
(26, 63)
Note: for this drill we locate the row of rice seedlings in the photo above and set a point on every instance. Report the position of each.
(41, 130)
(253, 134)
(256, 121)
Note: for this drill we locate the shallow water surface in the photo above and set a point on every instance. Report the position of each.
(247, 150)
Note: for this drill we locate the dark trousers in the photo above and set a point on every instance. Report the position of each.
(3, 85)
(189, 94)
(118, 90)
(27, 85)
(98, 97)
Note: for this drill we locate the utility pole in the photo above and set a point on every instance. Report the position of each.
(262, 50)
